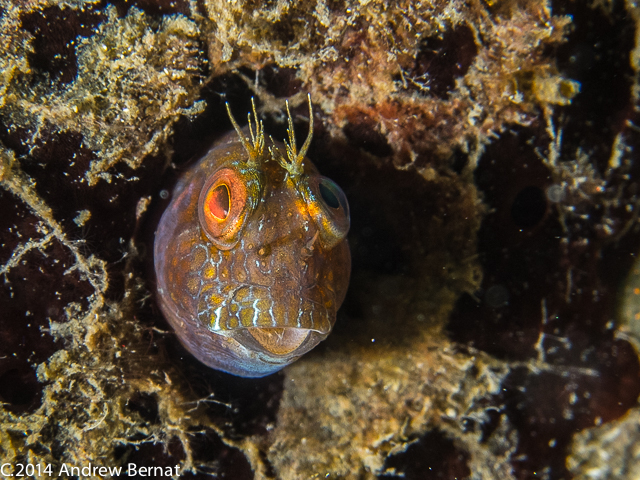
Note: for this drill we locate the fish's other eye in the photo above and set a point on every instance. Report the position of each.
(223, 207)
(328, 207)
(332, 195)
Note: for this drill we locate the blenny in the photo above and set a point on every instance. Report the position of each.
(251, 256)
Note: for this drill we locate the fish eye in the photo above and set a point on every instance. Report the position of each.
(218, 201)
(329, 207)
(223, 207)
(333, 197)
(328, 192)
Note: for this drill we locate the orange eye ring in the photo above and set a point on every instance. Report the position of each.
(221, 207)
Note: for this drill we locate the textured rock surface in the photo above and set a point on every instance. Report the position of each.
(608, 451)
(489, 153)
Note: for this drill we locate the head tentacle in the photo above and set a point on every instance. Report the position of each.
(293, 164)
(254, 145)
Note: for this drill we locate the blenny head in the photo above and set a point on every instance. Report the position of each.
(252, 259)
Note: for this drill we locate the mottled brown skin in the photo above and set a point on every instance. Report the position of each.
(254, 308)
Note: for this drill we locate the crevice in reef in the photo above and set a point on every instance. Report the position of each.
(432, 456)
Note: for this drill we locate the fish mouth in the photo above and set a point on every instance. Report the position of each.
(279, 341)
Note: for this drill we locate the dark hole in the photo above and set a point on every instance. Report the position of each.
(596, 54)
(434, 456)
(363, 133)
(529, 207)
(146, 405)
(152, 7)
(459, 161)
(281, 82)
(328, 196)
(442, 59)
(17, 388)
(490, 424)
(53, 29)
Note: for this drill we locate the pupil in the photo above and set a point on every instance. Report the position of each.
(219, 203)
(328, 196)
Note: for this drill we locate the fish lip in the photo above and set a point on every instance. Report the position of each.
(278, 360)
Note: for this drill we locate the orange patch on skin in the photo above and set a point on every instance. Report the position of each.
(209, 272)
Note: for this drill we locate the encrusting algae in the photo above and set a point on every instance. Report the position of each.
(494, 212)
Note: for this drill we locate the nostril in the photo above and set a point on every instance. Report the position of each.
(309, 245)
